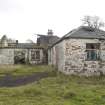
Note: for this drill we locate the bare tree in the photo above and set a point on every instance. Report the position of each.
(93, 22)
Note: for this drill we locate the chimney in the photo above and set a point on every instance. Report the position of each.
(50, 32)
(16, 41)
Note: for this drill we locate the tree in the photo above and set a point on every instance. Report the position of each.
(93, 22)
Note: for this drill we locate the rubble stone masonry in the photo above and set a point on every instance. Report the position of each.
(70, 57)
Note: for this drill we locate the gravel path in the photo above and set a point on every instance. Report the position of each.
(11, 81)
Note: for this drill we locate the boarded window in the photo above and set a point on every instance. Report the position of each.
(92, 50)
(35, 55)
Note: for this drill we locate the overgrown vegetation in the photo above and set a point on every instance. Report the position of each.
(21, 70)
(57, 90)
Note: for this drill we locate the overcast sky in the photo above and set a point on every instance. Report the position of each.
(21, 19)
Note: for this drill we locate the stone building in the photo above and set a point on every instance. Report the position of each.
(79, 52)
(12, 52)
(46, 41)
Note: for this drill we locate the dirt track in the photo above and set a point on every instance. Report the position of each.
(11, 81)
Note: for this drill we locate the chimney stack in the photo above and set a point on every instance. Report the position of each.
(50, 32)
(16, 41)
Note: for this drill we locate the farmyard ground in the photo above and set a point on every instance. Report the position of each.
(53, 90)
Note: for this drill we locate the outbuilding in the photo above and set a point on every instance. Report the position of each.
(79, 52)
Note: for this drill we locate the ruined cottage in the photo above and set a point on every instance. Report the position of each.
(46, 41)
(79, 52)
(12, 52)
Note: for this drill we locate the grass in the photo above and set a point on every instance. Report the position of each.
(57, 90)
(21, 70)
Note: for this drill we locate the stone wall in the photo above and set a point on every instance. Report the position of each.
(70, 57)
(28, 58)
(75, 58)
(6, 56)
(36, 61)
(102, 62)
(56, 56)
(20, 54)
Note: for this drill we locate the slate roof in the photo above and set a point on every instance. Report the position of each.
(47, 39)
(84, 32)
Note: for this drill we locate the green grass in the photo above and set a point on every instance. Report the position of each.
(57, 90)
(20, 70)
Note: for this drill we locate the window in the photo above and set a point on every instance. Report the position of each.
(35, 55)
(92, 50)
(32, 55)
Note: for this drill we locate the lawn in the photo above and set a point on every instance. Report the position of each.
(57, 90)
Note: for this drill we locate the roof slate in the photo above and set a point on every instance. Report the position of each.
(84, 32)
